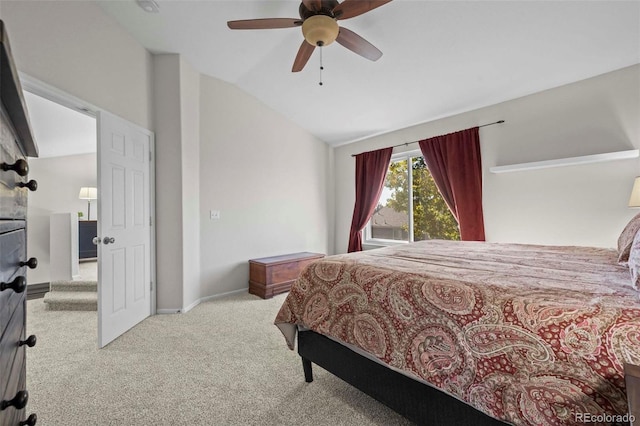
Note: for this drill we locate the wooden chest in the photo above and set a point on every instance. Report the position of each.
(273, 275)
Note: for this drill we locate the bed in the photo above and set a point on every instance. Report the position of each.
(472, 332)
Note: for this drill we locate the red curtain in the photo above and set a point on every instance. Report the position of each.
(371, 169)
(455, 164)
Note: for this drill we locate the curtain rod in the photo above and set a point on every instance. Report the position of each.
(408, 143)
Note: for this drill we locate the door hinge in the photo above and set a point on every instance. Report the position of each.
(151, 285)
(150, 221)
(150, 156)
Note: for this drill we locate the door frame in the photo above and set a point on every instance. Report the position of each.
(63, 98)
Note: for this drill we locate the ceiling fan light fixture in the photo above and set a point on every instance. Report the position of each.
(320, 30)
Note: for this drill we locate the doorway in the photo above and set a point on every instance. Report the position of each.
(60, 212)
(124, 206)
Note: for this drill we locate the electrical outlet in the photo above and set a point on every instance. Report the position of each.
(214, 214)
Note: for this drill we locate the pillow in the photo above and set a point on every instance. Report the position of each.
(626, 238)
(634, 262)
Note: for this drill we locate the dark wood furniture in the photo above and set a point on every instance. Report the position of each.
(269, 276)
(87, 230)
(419, 402)
(632, 380)
(16, 143)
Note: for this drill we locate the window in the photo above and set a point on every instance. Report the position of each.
(410, 207)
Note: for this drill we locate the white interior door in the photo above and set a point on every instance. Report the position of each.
(124, 226)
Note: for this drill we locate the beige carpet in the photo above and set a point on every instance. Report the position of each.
(88, 270)
(222, 363)
(73, 295)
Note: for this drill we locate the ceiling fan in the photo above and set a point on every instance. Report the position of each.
(318, 19)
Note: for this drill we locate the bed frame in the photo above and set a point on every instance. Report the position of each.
(414, 400)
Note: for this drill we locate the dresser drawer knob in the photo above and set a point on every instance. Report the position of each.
(32, 263)
(29, 341)
(20, 167)
(19, 401)
(18, 285)
(32, 185)
(31, 421)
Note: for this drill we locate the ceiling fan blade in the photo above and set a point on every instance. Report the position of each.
(304, 53)
(350, 8)
(313, 5)
(264, 24)
(357, 44)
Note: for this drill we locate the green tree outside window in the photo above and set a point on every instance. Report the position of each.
(432, 219)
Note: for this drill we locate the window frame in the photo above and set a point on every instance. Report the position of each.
(366, 237)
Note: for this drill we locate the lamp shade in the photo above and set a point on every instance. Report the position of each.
(88, 193)
(320, 30)
(634, 200)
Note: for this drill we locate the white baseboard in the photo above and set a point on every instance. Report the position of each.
(199, 301)
(191, 306)
(229, 293)
(167, 311)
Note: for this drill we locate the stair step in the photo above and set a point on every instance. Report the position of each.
(71, 301)
(74, 286)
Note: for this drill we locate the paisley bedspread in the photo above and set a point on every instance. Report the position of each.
(530, 335)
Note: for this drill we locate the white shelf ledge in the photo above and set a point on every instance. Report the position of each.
(571, 161)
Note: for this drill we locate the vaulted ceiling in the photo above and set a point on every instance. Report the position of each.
(439, 57)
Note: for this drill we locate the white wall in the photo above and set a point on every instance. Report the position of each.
(269, 179)
(63, 247)
(221, 149)
(168, 140)
(59, 182)
(190, 113)
(177, 92)
(576, 205)
(75, 47)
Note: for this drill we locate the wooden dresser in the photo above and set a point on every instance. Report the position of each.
(269, 276)
(16, 143)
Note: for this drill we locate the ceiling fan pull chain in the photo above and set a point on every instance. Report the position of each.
(321, 67)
